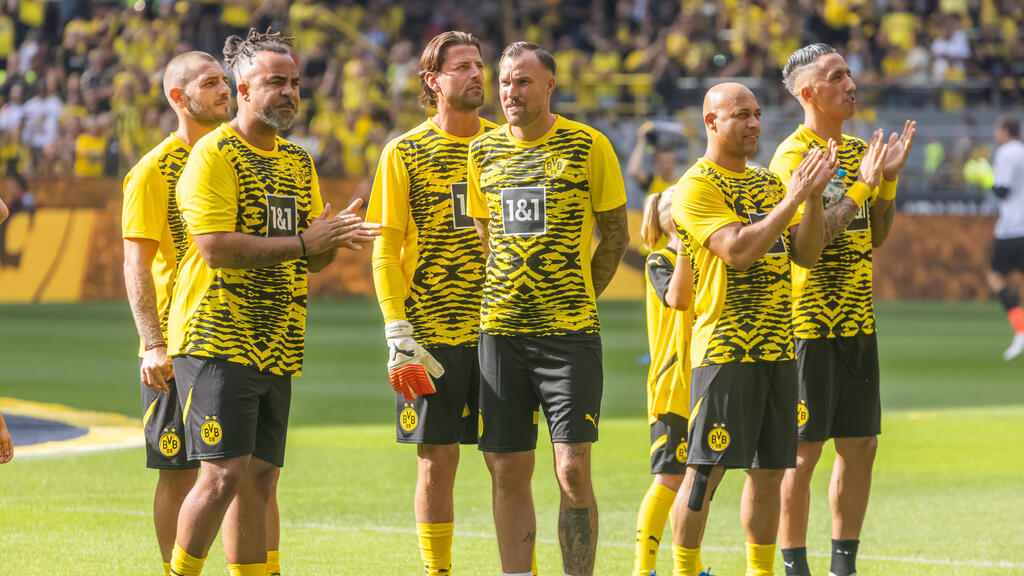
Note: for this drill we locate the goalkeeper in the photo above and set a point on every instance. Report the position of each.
(428, 268)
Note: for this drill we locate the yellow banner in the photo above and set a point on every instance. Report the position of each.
(44, 254)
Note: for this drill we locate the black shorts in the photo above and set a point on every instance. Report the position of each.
(232, 410)
(449, 415)
(161, 423)
(839, 391)
(668, 444)
(743, 415)
(560, 374)
(1008, 255)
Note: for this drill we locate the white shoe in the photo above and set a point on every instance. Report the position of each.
(1016, 347)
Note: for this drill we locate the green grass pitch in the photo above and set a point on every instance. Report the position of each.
(948, 494)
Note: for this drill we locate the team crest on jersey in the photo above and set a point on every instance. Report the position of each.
(409, 419)
(802, 414)
(718, 438)
(170, 442)
(681, 452)
(553, 167)
(211, 432)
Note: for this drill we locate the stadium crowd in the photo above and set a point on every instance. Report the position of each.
(81, 95)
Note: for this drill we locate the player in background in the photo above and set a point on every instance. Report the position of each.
(1008, 243)
(744, 229)
(833, 312)
(236, 330)
(428, 270)
(537, 186)
(669, 281)
(154, 241)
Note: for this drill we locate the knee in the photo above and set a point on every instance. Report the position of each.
(263, 481)
(178, 482)
(861, 449)
(221, 483)
(574, 475)
(438, 463)
(507, 477)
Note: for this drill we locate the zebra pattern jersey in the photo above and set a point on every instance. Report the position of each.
(540, 198)
(150, 212)
(254, 317)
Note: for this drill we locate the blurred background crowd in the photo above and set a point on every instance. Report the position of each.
(81, 81)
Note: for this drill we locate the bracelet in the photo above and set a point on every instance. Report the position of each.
(155, 345)
(303, 242)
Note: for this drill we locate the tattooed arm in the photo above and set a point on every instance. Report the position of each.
(138, 281)
(483, 233)
(614, 228)
(838, 217)
(882, 214)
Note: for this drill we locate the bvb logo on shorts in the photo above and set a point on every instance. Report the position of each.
(409, 419)
(211, 432)
(681, 452)
(802, 415)
(170, 443)
(718, 438)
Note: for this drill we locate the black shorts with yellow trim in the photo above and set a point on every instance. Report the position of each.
(1007, 255)
(232, 410)
(164, 432)
(562, 375)
(668, 444)
(449, 415)
(838, 388)
(743, 415)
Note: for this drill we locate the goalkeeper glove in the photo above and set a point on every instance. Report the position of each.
(410, 367)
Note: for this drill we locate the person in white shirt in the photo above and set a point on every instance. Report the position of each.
(1008, 245)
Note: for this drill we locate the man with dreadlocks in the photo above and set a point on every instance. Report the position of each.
(251, 202)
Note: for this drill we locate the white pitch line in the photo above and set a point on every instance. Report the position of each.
(483, 535)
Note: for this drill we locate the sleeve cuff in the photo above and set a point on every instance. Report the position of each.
(859, 192)
(887, 190)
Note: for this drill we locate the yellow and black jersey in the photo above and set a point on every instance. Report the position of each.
(150, 212)
(833, 299)
(668, 336)
(540, 198)
(253, 317)
(428, 264)
(740, 316)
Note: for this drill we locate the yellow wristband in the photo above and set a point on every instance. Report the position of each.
(887, 190)
(859, 192)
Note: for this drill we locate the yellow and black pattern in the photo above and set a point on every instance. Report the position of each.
(257, 317)
(834, 299)
(538, 283)
(443, 303)
(170, 165)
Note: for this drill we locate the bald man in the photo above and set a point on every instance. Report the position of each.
(154, 242)
(744, 230)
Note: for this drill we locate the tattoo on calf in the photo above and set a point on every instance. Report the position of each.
(578, 540)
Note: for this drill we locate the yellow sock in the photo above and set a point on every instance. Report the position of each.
(273, 563)
(247, 569)
(650, 525)
(436, 547)
(167, 569)
(185, 564)
(533, 568)
(760, 559)
(687, 561)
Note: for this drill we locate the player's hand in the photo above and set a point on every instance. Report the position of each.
(899, 149)
(410, 367)
(361, 234)
(870, 171)
(813, 173)
(344, 229)
(6, 446)
(157, 369)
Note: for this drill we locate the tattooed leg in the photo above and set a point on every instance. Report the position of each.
(577, 517)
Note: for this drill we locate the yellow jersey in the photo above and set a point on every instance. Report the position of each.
(833, 299)
(253, 317)
(740, 316)
(428, 266)
(668, 336)
(150, 212)
(540, 198)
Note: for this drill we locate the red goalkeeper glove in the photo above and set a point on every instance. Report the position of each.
(410, 367)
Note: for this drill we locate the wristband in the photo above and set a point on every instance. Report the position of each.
(859, 192)
(155, 345)
(887, 190)
(303, 242)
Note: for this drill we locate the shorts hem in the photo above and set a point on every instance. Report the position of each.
(505, 450)
(190, 465)
(225, 456)
(573, 441)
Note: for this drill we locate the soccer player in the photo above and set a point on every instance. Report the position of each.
(251, 202)
(744, 229)
(537, 185)
(669, 280)
(154, 241)
(833, 317)
(428, 269)
(1008, 245)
